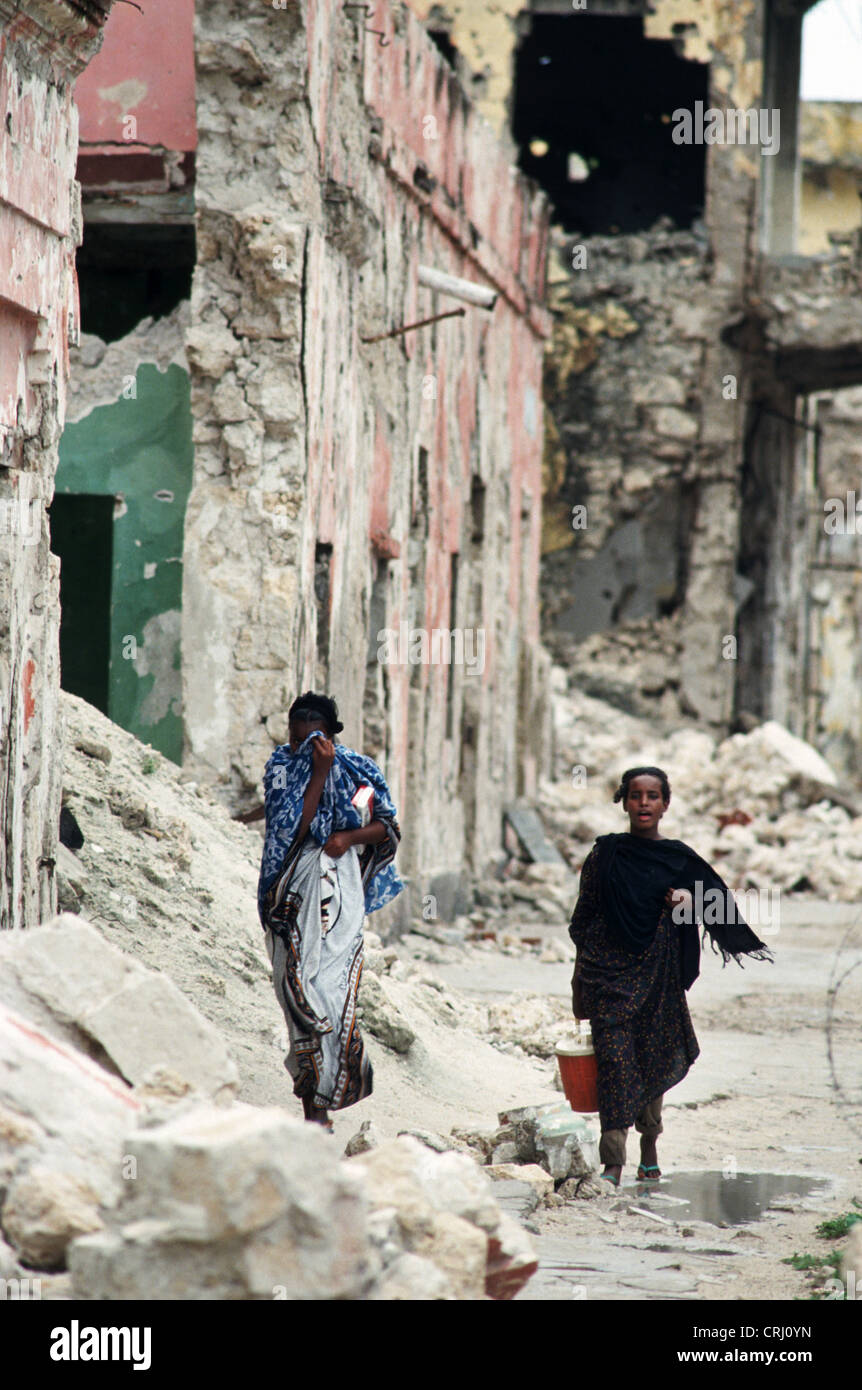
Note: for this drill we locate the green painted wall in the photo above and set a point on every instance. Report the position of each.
(141, 447)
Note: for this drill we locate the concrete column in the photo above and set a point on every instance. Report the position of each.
(780, 177)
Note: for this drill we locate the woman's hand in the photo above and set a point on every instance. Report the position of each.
(577, 1001)
(322, 755)
(338, 843)
(679, 897)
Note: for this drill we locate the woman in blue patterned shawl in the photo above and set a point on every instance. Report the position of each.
(327, 860)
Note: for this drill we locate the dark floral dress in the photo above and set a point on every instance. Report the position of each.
(642, 1032)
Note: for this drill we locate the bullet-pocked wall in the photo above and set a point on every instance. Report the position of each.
(352, 495)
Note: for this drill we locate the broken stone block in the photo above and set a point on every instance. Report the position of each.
(363, 1141)
(424, 1191)
(480, 1140)
(583, 1189)
(150, 1023)
(554, 1136)
(530, 834)
(558, 1142)
(211, 349)
(504, 1153)
(216, 1172)
(430, 1140)
(410, 1278)
(529, 1173)
(59, 1112)
(77, 985)
(452, 1182)
(459, 1250)
(44, 1209)
(382, 1016)
(231, 1202)
(518, 1199)
(511, 1260)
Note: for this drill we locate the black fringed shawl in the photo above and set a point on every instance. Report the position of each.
(634, 875)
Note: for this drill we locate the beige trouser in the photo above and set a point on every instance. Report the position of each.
(612, 1147)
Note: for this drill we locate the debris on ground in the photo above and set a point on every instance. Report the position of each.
(763, 807)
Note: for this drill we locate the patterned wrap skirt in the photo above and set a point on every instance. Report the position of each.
(642, 1031)
(314, 918)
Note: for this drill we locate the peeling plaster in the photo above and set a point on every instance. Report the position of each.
(158, 656)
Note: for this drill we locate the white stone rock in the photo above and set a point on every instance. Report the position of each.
(74, 982)
(530, 1173)
(216, 1172)
(44, 1209)
(381, 1015)
(411, 1278)
(60, 1107)
(232, 1202)
(445, 1211)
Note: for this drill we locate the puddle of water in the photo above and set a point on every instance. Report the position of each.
(729, 1201)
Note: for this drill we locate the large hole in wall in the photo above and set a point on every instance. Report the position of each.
(130, 272)
(592, 115)
(82, 529)
(830, 128)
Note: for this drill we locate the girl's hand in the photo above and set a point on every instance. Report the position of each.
(322, 754)
(577, 998)
(338, 843)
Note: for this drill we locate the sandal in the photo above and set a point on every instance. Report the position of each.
(609, 1177)
(646, 1170)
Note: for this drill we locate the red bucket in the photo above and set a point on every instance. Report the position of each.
(577, 1063)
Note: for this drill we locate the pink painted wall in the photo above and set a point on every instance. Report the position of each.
(146, 69)
(481, 221)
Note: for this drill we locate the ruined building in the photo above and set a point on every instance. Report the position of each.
(44, 45)
(268, 479)
(700, 411)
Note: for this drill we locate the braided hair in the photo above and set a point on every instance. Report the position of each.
(622, 790)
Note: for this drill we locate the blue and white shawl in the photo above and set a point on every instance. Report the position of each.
(285, 781)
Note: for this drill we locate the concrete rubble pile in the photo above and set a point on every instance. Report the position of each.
(126, 1161)
(550, 1148)
(763, 807)
(539, 1155)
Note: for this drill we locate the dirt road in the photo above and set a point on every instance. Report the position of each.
(760, 1100)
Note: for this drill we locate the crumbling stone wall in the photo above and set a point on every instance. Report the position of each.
(42, 49)
(652, 436)
(677, 547)
(345, 487)
(643, 430)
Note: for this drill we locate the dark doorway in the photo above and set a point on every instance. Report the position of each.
(593, 106)
(82, 535)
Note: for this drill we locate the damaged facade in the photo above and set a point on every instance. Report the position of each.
(264, 484)
(43, 47)
(706, 324)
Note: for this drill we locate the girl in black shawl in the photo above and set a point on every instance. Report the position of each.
(638, 951)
